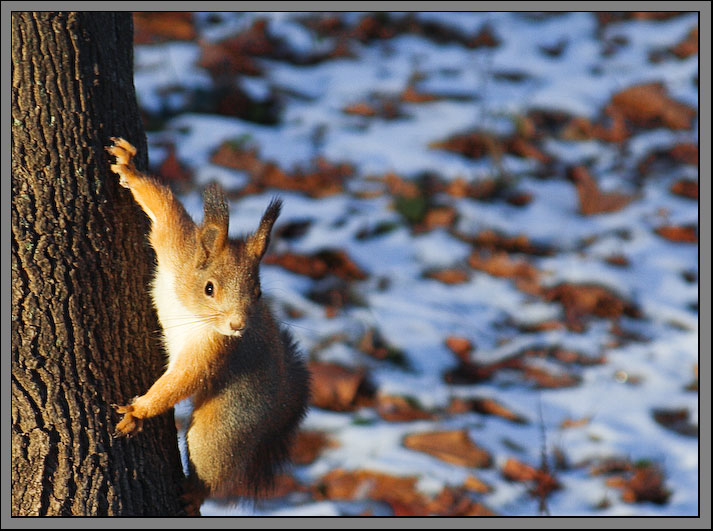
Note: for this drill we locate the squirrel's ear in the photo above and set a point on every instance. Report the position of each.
(257, 243)
(213, 233)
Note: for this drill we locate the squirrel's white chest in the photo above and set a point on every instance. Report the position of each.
(177, 321)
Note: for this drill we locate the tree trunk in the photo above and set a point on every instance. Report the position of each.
(83, 328)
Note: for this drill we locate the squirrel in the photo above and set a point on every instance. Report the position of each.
(248, 382)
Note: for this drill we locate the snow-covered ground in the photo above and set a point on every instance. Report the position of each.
(484, 89)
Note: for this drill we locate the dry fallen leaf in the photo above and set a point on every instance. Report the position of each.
(591, 199)
(335, 387)
(499, 264)
(581, 300)
(460, 346)
(543, 483)
(551, 380)
(488, 406)
(474, 484)
(676, 420)
(649, 105)
(171, 168)
(308, 445)
(155, 27)
(683, 234)
(493, 241)
(688, 46)
(686, 188)
(320, 264)
(450, 446)
(400, 409)
(322, 179)
(644, 485)
(412, 95)
(449, 276)
(361, 109)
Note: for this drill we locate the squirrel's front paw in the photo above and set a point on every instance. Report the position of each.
(130, 425)
(124, 167)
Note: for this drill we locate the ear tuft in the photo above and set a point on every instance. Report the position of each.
(215, 207)
(213, 232)
(257, 243)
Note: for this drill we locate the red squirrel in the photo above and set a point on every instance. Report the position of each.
(249, 384)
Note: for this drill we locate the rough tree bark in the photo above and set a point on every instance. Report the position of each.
(83, 329)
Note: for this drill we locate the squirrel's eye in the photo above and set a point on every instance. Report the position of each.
(209, 289)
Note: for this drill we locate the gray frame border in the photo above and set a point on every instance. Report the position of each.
(704, 520)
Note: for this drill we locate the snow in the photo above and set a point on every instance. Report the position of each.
(414, 313)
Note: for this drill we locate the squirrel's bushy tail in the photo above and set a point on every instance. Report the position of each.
(272, 455)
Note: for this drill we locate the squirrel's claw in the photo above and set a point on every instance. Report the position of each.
(130, 425)
(124, 152)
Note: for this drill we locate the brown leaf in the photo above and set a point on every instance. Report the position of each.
(543, 482)
(454, 502)
(493, 241)
(575, 423)
(449, 276)
(163, 26)
(308, 445)
(686, 188)
(515, 470)
(499, 264)
(171, 168)
(612, 465)
(683, 234)
(471, 145)
(648, 105)
(234, 55)
(693, 386)
(688, 46)
(476, 145)
(548, 380)
(469, 372)
(322, 179)
(591, 199)
(526, 149)
(284, 485)
(519, 199)
(450, 446)
(488, 406)
(220, 61)
(618, 260)
(340, 484)
(335, 387)
(485, 38)
(676, 420)
(483, 189)
(361, 109)
(580, 300)
(460, 346)
(400, 409)
(645, 485)
(686, 153)
(398, 186)
(320, 264)
(412, 95)
(474, 484)
(439, 217)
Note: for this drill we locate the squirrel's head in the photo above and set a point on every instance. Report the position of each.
(225, 286)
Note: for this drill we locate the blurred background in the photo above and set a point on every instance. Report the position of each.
(488, 251)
